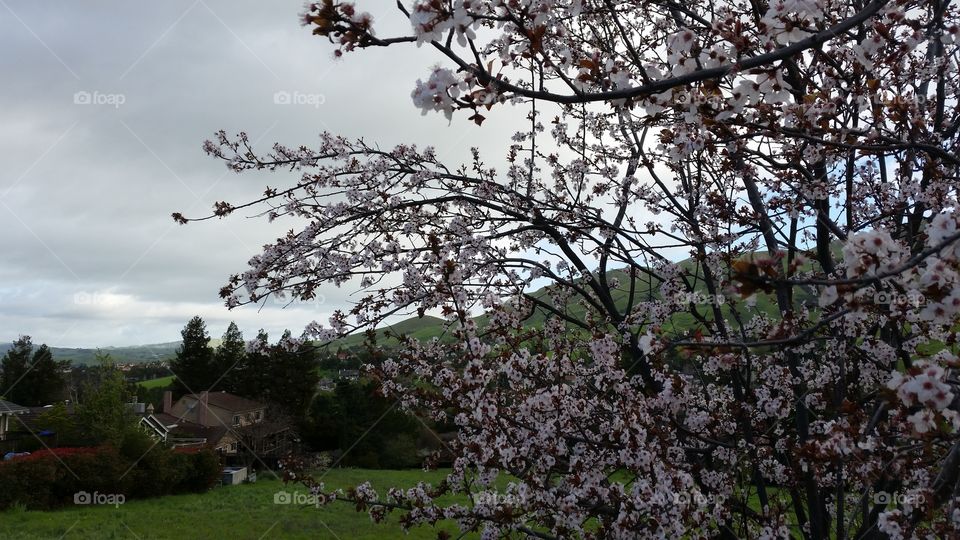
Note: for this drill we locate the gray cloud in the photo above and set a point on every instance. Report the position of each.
(105, 107)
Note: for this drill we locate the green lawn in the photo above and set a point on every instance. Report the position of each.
(235, 513)
(157, 383)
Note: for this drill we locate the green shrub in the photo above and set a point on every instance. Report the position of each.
(51, 478)
(199, 471)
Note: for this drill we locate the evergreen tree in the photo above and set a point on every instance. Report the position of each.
(15, 364)
(230, 360)
(252, 380)
(292, 377)
(45, 381)
(194, 364)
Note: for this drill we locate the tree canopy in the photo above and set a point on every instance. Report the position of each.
(789, 150)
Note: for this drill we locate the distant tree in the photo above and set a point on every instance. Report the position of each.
(357, 417)
(31, 377)
(194, 362)
(58, 420)
(250, 379)
(45, 381)
(291, 378)
(15, 364)
(103, 415)
(230, 358)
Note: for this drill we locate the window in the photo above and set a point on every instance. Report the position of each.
(236, 419)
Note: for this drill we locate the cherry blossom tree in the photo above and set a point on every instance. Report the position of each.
(794, 377)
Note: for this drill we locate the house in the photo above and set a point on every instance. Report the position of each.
(227, 423)
(7, 412)
(326, 385)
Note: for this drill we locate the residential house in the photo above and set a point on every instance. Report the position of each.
(225, 422)
(7, 412)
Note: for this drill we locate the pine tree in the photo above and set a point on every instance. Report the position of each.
(252, 381)
(16, 363)
(291, 380)
(194, 364)
(44, 380)
(230, 360)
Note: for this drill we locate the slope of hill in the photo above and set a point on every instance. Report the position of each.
(133, 354)
(428, 327)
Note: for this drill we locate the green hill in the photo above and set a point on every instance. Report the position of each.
(137, 354)
(429, 327)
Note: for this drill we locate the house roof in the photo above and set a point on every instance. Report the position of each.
(180, 428)
(230, 402)
(7, 407)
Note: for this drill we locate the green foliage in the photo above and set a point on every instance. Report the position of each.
(355, 418)
(284, 378)
(15, 363)
(58, 420)
(251, 377)
(194, 363)
(102, 415)
(229, 359)
(50, 479)
(200, 471)
(31, 377)
(292, 378)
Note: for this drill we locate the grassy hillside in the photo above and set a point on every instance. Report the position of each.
(235, 512)
(161, 382)
(133, 354)
(429, 327)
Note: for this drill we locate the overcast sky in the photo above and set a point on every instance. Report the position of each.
(105, 107)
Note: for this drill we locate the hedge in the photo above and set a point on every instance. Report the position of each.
(51, 478)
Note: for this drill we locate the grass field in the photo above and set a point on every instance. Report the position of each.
(157, 383)
(236, 513)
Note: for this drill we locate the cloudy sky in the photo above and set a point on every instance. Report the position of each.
(105, 107)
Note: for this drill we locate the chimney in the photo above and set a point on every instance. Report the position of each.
(167, 402)
(202, 410)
